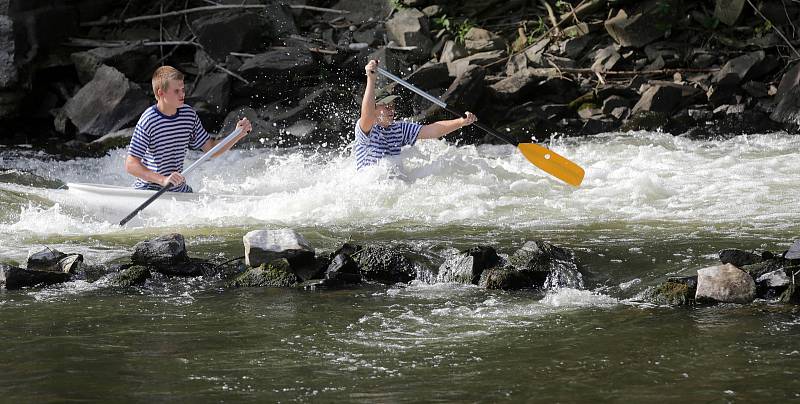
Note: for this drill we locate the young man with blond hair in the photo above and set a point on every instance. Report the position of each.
(378, 135)
(165, 132)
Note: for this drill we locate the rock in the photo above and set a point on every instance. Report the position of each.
(211, 94)
(621, 113)
(725, 284)
(468, 266)
(772, 284)
(105, 104)
(451, 51)
(479, 40)
(738, 258)
(226, 31)
(728, 11)
(788, 110)
(646, 120)
(547, 265)
(265, 246)
(161, 252)
(409, 27)
(650, 21)
(343, 269)
(40, 26)
(756, 89)
(385, 265)
(658, 98)
(573, 48)
(71, 264)
(112, 140)
(532, 57)
(277, 17)
(275, 68)
(465, 92)
(791, 295)
(430, 75)
(13, 278)
(789, 81)
(10, 103)
(767, 265)
(131, 276)
(361, 12)
(261, 128)
(505, 279)
(521, 85)
(739, 67)
(8, 70)
(613, 102)
(793, 252)
(277, 273)
(458, 67)
(606, 59)
(676, 291)
(133, 61)
(44, 259)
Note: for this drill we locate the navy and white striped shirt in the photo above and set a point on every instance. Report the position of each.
(383, 141)
(161, 142)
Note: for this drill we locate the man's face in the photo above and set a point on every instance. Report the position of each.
(174, 95)
(385, 114)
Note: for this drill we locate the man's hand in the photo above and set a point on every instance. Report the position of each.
(244, 123)
(175, 179)
(468, 119)
(370, 68)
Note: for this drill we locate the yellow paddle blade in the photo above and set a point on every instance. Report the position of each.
(553, 163)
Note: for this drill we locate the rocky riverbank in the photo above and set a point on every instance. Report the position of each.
(283, 258)
(77, 72)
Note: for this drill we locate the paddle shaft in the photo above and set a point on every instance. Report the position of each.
(185, 172)
(444, 106)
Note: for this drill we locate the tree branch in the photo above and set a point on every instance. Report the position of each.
(204, 8)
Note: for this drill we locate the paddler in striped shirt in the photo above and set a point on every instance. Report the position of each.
(378, 135)
(165, 132)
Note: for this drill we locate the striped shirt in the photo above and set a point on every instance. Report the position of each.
(161, 142)
(383, 141)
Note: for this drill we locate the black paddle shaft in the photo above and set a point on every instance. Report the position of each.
(483, 127)
(446, 107)
(145, 204)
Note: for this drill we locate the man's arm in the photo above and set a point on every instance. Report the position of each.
(210, 143)
(367, 118)
(438, 129)
(134, 166)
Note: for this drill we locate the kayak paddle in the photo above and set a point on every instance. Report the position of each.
(542, 157)
(161, 191)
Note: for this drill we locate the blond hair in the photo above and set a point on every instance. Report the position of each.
(162, 76)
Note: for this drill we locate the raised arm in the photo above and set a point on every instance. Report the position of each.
(244, 123)
(441, 128)
(367, 118)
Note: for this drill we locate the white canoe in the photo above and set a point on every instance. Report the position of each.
(126, 199)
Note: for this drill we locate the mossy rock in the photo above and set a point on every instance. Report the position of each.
(132, 276)
(676, 291)
(274, 274)
(646, 120)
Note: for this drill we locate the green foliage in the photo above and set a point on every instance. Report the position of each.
(763, 29)
(457, 29)
(563, 6)
(462, 29)
(398, 4)
(537, 31)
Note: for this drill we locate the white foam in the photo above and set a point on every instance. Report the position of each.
(637, 177)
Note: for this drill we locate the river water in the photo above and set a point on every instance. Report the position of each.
(651, 206)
